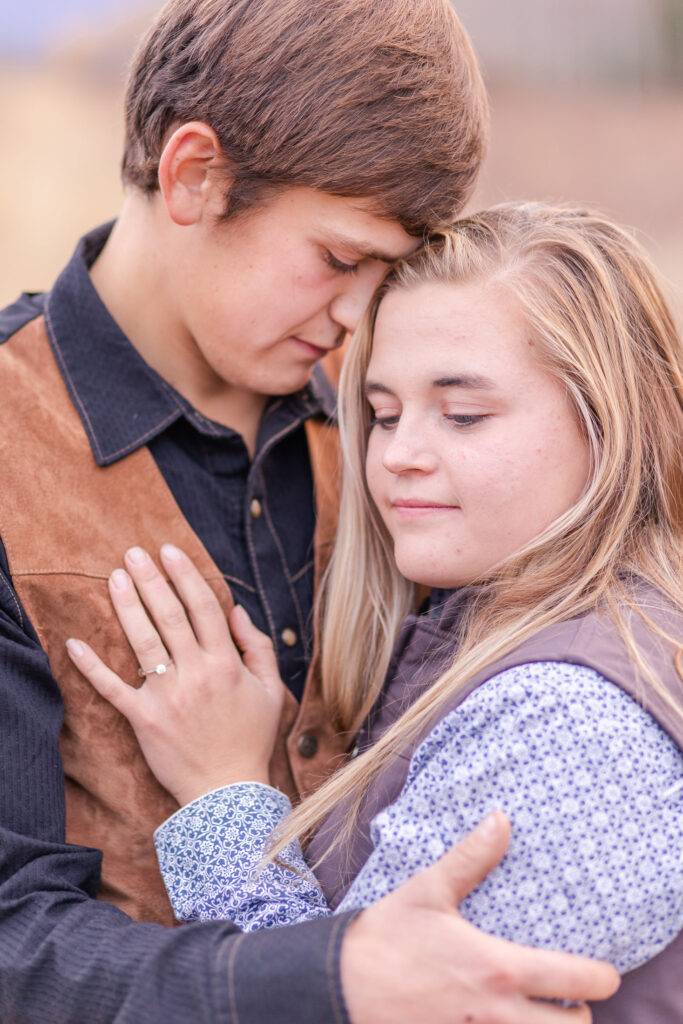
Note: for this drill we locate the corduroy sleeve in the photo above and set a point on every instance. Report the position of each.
(66, 958)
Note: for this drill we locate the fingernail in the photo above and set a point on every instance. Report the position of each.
(171, 552)
(75, 647)
(488, 829)
(136, 555)
(119, 579)
(242, 612)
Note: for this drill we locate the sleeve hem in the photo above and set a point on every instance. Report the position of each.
(199, 801)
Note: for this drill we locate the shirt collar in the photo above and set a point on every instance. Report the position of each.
(122, 402)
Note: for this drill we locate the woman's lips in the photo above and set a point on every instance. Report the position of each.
(415, 507)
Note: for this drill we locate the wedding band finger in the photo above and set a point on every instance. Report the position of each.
(158, 670)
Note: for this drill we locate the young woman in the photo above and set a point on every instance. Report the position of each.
(512, 422)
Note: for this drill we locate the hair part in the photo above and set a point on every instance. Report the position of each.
(373, 99)
(601, 324)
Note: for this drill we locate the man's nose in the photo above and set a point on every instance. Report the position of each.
(353, 297)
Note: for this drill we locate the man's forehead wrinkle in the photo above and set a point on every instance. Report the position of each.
(362, 246)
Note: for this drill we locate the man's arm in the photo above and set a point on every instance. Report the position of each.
(443, 970)
(69, 959)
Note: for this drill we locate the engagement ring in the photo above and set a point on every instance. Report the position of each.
(158, 669)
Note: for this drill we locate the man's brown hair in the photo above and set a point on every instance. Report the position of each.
(379, 99)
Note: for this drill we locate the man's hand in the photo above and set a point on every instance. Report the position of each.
(412, 958)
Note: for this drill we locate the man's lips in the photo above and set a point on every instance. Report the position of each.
(314, 351)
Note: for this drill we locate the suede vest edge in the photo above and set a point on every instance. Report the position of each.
(65, 523)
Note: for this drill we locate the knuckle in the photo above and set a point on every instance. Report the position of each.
(106, 688)
(147, 644)
(128, 598)
(207, 604)
(184, 567)
(226, 670)
(146, 571)
(203, 688)
(572, 976)
(465, 861)
(173, 617)
(503, 978)
(203, 673)
(89, 662)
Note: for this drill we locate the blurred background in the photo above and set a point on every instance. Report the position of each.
(587, 100)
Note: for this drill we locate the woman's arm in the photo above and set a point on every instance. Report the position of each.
(205, 723)
(594, 791)
(591, 783)
(210, 855)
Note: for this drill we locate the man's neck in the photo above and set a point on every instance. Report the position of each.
(130, 277)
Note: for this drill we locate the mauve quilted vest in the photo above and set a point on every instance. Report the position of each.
(653, 993)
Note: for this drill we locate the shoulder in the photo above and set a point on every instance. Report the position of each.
(593, 788)
(26, 308)
(14, 622)
(563, 713)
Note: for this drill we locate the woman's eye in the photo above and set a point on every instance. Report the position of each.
(465, 420)
(335, 264)
(384, 422)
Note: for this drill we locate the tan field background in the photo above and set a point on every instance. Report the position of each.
(568, 124)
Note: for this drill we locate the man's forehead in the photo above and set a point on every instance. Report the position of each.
(356, 223)
(370, 246)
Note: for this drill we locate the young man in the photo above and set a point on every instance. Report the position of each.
(279, 155)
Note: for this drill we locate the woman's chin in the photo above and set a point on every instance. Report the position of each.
(435, 577)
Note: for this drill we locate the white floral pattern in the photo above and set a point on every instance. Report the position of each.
(593, 787)
(210, 852)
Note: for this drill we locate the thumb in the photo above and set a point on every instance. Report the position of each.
(469, 862)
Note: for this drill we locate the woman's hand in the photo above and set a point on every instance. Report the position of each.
(211, 718)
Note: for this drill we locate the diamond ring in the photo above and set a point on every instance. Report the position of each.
(159, 670)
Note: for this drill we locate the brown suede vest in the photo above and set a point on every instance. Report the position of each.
(652, 994)
(65, 523)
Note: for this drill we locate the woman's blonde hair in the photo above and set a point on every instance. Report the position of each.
(593, 304)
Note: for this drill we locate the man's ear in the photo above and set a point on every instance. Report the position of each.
(186, 181)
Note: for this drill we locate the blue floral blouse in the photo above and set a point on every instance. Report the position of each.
(592, 785)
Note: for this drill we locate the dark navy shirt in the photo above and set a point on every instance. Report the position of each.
(66, 958)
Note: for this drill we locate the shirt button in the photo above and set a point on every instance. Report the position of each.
(255, 508)
(307, 745)
(288, 637)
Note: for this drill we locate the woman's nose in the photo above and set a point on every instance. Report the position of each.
(407, 449)
(353, 297)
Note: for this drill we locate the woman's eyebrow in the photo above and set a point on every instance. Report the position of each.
(474, 381)
(373, 386)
